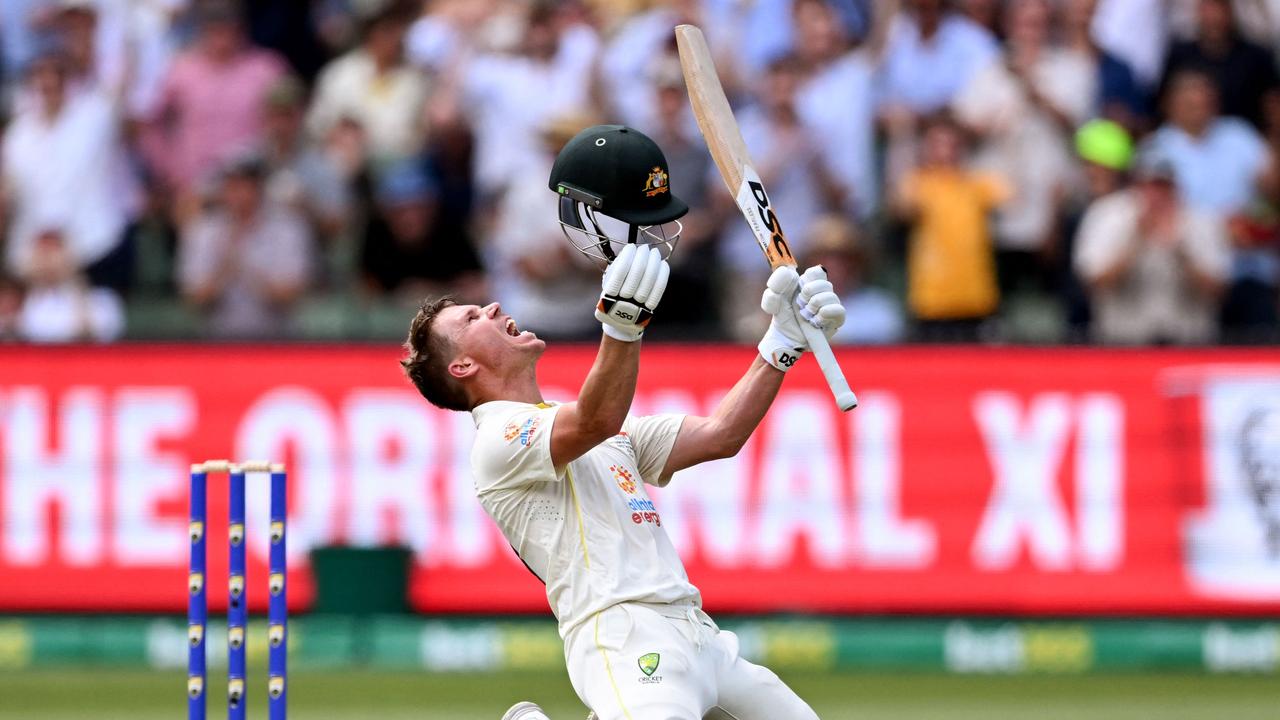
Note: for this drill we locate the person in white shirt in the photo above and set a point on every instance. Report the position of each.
(1023, 108)
(1155, 267)
(508, 98)
(566, 482)
(59, 306)
(375, 86)
(59, 170)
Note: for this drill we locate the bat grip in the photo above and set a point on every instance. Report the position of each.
(845, 399)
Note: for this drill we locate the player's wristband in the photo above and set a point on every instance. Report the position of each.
(778, 350)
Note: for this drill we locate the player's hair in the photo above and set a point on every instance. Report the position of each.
(427, 365)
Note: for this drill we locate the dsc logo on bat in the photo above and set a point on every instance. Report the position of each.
(754, 203)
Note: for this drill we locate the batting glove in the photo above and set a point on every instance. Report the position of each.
(792, 299)
(633, 285)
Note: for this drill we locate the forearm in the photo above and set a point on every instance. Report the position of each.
(740, 412)
(610, 386)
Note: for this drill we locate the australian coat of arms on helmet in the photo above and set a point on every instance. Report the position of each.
(657, 182)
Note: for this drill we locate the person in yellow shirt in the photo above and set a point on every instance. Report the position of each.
(951, 278)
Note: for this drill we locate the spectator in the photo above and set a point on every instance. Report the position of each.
(1155, 268)
(246, 261)
(60, 168)
(59, 306)
(1022, 109)
(874, 317)
(951, 280)
(539, 277)
(836, 98)
(1106, 150)
(789, 158)
(1222, 165)
(1244, 73)
(300, 174)
(211, 103)
(372, 85)
(743, 38)
(509, 98)
(1118, 95)
(406, 248)
(931, 54)
(633, 59)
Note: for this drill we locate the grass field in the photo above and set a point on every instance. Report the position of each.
(135, 695)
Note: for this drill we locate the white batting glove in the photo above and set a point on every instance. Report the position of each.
(792, 299)
(818, 303)
(633, 284)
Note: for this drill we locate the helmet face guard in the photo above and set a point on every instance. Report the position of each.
(596, 243)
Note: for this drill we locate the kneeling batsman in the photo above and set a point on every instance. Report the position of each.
(566, 482)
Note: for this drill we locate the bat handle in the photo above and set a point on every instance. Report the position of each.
(845, 399)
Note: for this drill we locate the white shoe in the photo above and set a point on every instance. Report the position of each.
(592, 715)
(525, 711)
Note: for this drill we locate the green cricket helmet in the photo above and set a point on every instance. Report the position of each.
(617, 172)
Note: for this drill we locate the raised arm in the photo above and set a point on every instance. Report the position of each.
(602, 404)
(725, 432)
(633, 284)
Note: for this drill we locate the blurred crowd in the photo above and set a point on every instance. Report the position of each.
(976, 170)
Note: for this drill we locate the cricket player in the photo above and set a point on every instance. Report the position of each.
(566, 481)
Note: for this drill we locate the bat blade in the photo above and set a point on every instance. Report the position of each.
(728, 150)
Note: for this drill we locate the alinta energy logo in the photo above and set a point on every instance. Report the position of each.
(642, 509)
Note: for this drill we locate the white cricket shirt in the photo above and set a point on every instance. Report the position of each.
(590, 531)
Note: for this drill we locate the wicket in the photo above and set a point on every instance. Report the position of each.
(237, 610)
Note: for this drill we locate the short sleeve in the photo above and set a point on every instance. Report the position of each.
(514, 450)
(652, 438)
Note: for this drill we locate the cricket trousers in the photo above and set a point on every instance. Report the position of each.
(661, 662)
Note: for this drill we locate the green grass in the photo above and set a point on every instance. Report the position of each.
(314, 695)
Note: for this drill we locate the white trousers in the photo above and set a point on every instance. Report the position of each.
(656, 662)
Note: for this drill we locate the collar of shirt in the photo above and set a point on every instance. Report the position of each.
(484, 411)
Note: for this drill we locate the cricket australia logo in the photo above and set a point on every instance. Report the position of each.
(649, 665)
(657, 182)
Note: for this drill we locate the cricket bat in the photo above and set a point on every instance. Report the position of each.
(724, 140)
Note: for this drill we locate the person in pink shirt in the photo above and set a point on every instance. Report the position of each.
(211, 104)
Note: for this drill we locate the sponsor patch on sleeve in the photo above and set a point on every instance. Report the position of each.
(522, 431)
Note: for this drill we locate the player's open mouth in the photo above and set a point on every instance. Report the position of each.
(512, 330)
